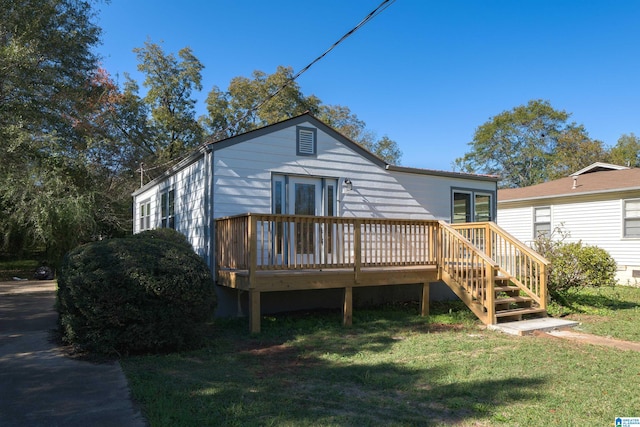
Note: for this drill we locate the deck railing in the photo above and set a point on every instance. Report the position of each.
(526, 268)
(469, 268)
(258, 242)
(471, 255)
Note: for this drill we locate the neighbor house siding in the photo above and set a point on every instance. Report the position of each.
(592, 221)
(518, 222)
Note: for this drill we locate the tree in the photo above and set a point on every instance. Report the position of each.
(249, 104)
(170, 82)
(574, 150)
(626, 152)
(266, 99)
(45, 86)
(343, 120)
(527, 145)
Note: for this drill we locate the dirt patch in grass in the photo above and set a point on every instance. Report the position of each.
(591, 339)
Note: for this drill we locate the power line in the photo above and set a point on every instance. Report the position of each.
(378, 10)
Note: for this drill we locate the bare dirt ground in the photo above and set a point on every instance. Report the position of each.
(592, 339)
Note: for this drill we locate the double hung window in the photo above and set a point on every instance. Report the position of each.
(167, 209)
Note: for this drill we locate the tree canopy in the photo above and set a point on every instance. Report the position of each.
(46, 87)
(530, 144)
(264, 99)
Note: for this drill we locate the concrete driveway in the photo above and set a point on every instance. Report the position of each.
(39, 385)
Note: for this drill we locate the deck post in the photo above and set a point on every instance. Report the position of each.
(357, 249)
(254, 311)
(347, 307)
(424, 301)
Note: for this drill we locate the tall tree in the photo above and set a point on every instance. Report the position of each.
(526, 145)
(626, 152)
(253, 103)
(268, 98)
(45, 82)
(574, 150)
(342, 119)
(170, 82)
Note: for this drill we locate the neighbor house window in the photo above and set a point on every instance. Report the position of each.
(167, 209)
(541, 222)
(471, 206)
(145, 215)
(306, 143)
(631, 218)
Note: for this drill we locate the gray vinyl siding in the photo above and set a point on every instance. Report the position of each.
(189, 185)
(434, 192)
(243, 172)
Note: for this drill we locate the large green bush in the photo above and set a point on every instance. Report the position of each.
(575, 266)
(145, 293)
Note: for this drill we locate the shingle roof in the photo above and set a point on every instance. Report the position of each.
(594, 182)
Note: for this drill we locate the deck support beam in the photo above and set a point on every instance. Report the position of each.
(347, 307)
(254, 311)
(424, 301)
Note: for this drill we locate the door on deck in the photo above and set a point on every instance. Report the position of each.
(304, 242)
(305, 198)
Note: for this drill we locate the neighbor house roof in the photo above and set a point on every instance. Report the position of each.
(603, 181)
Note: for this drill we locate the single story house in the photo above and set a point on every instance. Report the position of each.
(598, 205)
(308, 193)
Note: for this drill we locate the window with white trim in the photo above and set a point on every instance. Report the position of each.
(145, 215)
(167, 209)
(631, 218)
(306, 143)
(542, 222)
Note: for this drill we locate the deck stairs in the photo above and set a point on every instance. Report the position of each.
(511, 304)
(485, 282)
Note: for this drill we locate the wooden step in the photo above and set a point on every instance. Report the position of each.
(519, 312)
(506, 289)
(509, 300)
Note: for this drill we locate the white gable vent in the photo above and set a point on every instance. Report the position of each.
(306, 141)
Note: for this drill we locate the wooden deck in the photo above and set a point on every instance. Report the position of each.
(268, 253)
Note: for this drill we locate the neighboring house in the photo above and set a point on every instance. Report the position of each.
(300, 166)
(598, 205)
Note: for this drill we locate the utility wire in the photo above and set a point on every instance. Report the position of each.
(381, 7)
(378, 10)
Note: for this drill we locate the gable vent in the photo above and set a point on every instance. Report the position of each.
(306, 142)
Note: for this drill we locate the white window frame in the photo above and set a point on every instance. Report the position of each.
(168, 208)
(537, 220)
(144, 209)
(626, 218)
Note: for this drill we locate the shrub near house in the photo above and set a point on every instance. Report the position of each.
(575, 266)
(145, 293)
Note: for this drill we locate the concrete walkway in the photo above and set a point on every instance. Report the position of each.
(39, 385)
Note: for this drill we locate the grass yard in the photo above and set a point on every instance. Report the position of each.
(608, 311)
(391, 368)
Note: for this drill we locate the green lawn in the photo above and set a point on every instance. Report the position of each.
(609, 311)
(391, 368)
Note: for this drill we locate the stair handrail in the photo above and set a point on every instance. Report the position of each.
(487, 270)
(537, 289)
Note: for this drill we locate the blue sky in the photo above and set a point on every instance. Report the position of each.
(425, 73)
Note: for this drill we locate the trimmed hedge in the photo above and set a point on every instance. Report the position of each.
(146, 293)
